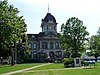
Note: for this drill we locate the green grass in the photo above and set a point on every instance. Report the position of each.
(97, 64)
(91, 71)
(50, 66)
(55, 66)
(83, 71)
(8, 68)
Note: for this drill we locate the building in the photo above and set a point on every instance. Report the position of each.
(46, 41)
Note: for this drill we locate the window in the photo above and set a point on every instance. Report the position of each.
(34, 45)
(32, 36)
(51, 45)
(50, 29)
(54, 28)
(77, 61)
(56, 45)
(45, 28)
(58, 54)
(30, 45)
(44, 45)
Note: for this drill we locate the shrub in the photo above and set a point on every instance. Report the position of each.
(65, 60)
(82, 61)
(68, 62)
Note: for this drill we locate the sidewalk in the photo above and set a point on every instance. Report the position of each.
(24, 69)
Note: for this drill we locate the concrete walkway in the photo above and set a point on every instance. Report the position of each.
(25, 69)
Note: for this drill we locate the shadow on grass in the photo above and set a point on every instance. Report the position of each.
(69, 67)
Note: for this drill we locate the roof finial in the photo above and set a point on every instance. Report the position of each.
(48, 7)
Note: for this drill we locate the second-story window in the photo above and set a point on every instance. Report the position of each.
(44, 45)
(56, 45)
(30, 46)
(34, 45)
(51, 45)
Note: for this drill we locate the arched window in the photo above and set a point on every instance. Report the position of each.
(44, 45)
(45, 28)
(30, 45)
(50, 28)
(51, 54)
(58, 54)
(56, 45)
(34, 45)
(51, 45)
(54, 27)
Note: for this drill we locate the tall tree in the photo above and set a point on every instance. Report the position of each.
(12, 28)
(98, 32)
(73, 35)
(95, 44)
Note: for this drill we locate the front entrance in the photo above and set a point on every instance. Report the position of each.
(52, 56)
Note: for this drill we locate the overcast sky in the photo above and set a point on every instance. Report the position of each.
(34, 10)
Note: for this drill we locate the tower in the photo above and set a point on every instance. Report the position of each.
(46, 41)
(49, 24)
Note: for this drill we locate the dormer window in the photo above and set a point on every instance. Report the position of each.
(50, 21)
(33, 36)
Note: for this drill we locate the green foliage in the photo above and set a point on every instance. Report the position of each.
(95, 44)
(98, 32)
(59, 61)
(82, 61)
(73, 35)
(12, 29)
(68, 61)
(65, 60)
(75, 55)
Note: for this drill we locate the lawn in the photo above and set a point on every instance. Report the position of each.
(8, 68)
(50, 66)
(95, 71)
(62, 71)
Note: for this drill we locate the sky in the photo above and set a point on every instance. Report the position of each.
(34, 11)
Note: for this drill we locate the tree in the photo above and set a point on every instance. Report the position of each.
(22, 50)
(73, 35)
(12, 28)
(98, 32)
(95, 44)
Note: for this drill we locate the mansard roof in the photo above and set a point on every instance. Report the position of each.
(49, 17)
(36, 35)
